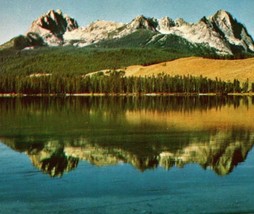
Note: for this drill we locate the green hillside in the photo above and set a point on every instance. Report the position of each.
(139, 48)
(70, 60)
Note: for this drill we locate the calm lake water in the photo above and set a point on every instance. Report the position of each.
(127, 155)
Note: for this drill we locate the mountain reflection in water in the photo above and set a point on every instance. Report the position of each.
(146, 132)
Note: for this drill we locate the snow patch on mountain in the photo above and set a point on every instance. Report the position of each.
(200, 33)
(95, 32)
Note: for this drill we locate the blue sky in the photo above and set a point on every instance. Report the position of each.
(17, 15)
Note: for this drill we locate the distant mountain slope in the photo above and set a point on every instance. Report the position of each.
(150, 39)
(220, 33)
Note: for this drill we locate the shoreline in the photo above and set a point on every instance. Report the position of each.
(2, 95)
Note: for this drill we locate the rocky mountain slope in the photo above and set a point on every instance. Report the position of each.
(221, 33)
(52, 26)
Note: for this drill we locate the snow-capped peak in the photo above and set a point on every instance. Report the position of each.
(165, 23)
(234, 32)
(142, 22)
(52, 25)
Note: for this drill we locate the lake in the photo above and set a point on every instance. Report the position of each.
(111, 155)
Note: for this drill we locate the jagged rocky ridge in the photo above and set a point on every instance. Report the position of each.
(52, 26)
(220, 32)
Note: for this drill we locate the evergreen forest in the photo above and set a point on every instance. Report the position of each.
(115, 82)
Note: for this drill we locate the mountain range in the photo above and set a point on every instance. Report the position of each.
(220, 33)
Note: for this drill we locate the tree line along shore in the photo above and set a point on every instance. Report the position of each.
(115, 82)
